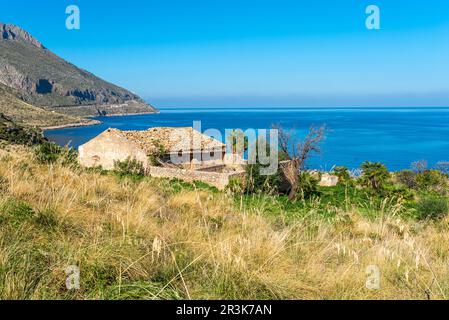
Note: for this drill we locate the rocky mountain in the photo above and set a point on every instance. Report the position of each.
(45, 80)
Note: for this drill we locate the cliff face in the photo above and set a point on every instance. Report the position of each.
(44, 79)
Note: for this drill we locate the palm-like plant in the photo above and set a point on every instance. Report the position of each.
(342, 173)
(238, 141)
(375, 175)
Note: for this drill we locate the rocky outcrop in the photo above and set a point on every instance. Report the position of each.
(11, 32)
(43, 79)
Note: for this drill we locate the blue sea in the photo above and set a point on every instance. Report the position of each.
(394, 136)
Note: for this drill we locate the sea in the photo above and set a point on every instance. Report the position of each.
(396, 137)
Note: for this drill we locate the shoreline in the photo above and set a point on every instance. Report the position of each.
(73, 125)
(94, 122)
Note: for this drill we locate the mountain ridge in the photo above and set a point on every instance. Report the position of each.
(45, 80)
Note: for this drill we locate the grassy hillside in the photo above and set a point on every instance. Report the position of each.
(135, 237)
(26, 114)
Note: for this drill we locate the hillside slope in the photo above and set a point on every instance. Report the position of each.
(28, 115)
(45, 80)
(145, 238)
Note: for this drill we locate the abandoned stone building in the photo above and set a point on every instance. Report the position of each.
(177, 153)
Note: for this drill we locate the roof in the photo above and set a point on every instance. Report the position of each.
(171, 139)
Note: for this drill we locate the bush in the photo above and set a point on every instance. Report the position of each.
(343, 175)
(258, 183)
(129, 167)
(407, 178)
(431, 180)
(432, 208)
(50, 152)
(236, 186)
(375, 175)
(12, 132)
(308, 186)
(399, 191)
(47, 152)
(155, 159)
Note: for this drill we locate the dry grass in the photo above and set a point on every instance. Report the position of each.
(146, 239)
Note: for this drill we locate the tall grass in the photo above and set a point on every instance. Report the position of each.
(152, 239)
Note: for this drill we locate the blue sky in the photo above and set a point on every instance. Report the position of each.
(254, 53)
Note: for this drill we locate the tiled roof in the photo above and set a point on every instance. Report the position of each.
(171, 139)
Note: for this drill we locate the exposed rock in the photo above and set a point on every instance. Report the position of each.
(328, 180)
(45, 80)
(11, 32)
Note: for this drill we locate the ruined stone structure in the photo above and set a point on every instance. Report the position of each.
(181, 153)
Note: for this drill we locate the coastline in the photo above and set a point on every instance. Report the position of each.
(95, 122)
(73, 125)
(130, 114)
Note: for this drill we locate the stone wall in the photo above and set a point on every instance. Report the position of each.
(218, 180)
(107, 148)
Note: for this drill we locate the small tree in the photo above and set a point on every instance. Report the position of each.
(343, 174)
(256, 182)
(156, 158)
(236, 138)
(374, 175)
(297, 153)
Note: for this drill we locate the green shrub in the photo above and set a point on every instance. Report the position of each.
(47, 152)
(374, 175)
(129, 167)
(431, 180)
(399, 191)
(155, 159)
(343, 175)
(11, 132)
(308, 185)
(432, 208)
(50, 152)
(258, 183)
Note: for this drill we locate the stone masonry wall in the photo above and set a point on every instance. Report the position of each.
(218, 180)
(107, 148)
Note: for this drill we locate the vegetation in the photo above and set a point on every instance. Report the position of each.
(156, 158)
(24, 114)
(343, 174)
(432, 208)
(136, 237)
(11, 132)
(374, 175)
(297, 153)
(238, 141)
(129, 167)
(75, 86)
